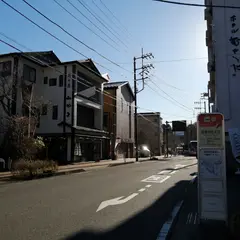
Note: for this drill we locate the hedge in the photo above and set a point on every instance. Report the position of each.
(33, 168)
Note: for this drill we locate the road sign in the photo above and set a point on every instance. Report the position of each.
(212, 201)
(179, 126)
(210, 131)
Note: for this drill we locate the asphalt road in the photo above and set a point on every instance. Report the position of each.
(65, 207)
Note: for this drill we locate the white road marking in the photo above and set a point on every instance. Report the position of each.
(115, 201)
(148, 186)
(163, 234)
(142, 190)
(156, 179)
(164, 172)
(167, 177)
(179, 166)
(173, 172)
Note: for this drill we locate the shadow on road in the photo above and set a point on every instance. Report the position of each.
(146, 224)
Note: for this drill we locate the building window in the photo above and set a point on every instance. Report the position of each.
(44, 109)
(60, 80)
(55, 112)
(105, 119)
(45, 80)
(52, 82)
(29, 73)
(85, 116)
(6, 68)
(121, 104)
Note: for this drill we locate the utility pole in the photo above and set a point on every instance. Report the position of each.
(166, 137)
(144, 70)
(205, 96)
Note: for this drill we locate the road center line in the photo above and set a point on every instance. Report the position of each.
(148, 186)
(142, 189)
(167, 177)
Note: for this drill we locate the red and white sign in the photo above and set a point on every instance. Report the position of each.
(212, 204)
(210, 130)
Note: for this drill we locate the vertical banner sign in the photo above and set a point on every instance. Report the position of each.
(212, 199)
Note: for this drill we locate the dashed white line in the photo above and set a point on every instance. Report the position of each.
(167, 177)
(148, 186)
(142, 190)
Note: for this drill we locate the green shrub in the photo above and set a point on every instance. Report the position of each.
(33, 168)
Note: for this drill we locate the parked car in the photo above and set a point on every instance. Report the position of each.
(144, 151)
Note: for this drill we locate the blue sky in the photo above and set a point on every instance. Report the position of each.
(170, 32)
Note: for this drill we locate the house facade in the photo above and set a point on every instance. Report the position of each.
(222, 40)
(150, 131)
(69, 96)
(118, 119)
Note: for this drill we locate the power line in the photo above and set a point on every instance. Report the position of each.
(96, 26)
(167, 84)
(52, 35)
(109, 18)
(103, 24)
(113, 15)
(196, 4)
(68, 33)
(172, 100)
(77, 19)
(40, 61)
(75, 79)
(99, 17)
(20, 13)
(169, 61)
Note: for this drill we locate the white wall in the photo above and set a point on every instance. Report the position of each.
(123, 113)
(227, 86)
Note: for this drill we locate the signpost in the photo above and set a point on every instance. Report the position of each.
(212, 193)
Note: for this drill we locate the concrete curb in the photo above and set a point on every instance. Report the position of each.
(119, 164)
(79, 170)
(168, 226)
(69, 171)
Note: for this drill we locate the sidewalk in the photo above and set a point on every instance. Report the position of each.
(83, 166)
(187, 228)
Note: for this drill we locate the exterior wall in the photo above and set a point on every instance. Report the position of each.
(150, 131)
(52, 96)
(109, 107)
(3, 114)
(227, 84)
(124, 100)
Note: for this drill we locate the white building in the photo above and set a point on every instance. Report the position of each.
(223, 41)
(71, 97)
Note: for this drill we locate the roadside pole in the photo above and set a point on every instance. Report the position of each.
(167, 137)
(135, 113)
(212, 189)
(144, 69)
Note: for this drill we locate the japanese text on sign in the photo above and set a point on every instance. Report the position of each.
(235, 41)
(210, 131)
